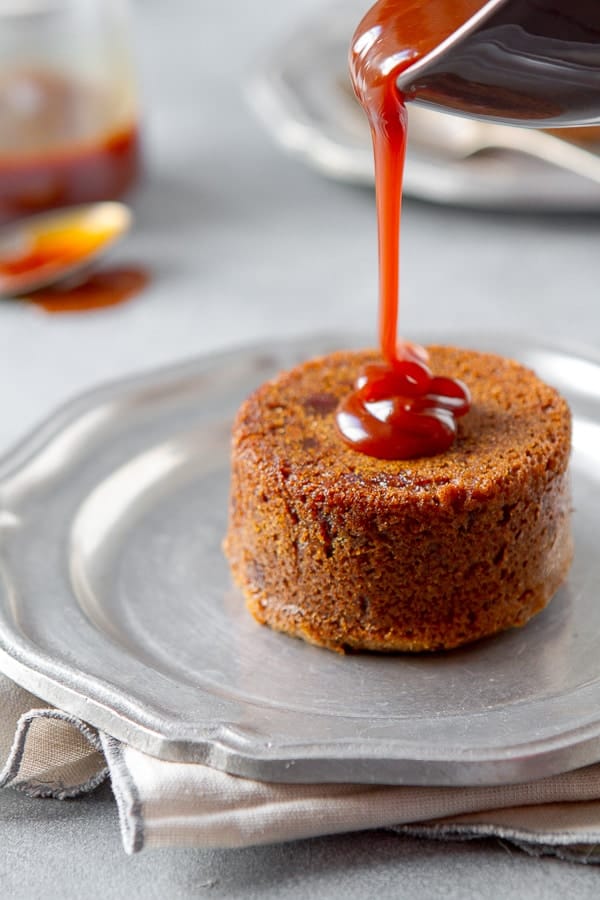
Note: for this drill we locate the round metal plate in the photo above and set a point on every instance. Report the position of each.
(116, 604)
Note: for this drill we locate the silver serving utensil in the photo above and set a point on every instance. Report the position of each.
(100, 225)
(458, 138)
(524, 62)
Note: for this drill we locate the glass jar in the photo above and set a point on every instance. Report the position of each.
(68, 111)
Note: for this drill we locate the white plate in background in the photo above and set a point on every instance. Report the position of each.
(302, 94)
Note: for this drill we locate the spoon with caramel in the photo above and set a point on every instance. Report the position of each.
(59, 247)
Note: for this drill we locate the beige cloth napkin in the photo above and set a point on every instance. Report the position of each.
(48, 753)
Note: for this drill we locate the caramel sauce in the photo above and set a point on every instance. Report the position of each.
(60, 144)
(398, 410)
(60, 248)
(108, 287)
(103, 170)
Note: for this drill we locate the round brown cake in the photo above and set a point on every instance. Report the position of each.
(352, 552)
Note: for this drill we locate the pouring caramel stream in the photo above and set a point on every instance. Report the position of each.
(399, 410)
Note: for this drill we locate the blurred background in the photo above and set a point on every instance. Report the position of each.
(241, 229)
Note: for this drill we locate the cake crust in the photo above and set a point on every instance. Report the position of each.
(352, 552)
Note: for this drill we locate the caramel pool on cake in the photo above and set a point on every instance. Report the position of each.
(349, 551)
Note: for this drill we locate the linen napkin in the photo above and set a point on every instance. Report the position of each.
(48, 753)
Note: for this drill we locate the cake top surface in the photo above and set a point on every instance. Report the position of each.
(518, 428)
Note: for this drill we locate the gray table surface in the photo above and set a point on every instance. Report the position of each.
(244, 242)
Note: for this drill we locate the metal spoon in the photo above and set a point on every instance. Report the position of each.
(458, 138)
(58, 247)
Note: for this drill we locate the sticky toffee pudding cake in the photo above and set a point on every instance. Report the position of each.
(350, 551)
(386, 501)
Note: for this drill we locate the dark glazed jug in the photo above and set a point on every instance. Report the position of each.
(523, 62)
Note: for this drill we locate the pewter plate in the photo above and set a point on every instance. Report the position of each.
(116, 604)
(301, 92)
